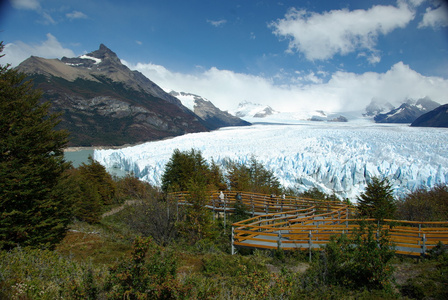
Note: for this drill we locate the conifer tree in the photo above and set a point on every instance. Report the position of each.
(184, 168)
(33, 209)
(377, 201)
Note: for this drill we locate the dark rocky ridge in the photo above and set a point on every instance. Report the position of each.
(435, 118)
(407, 112)
(104, 103)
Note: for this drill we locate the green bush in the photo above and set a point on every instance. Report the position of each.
(425, 205)
(43, 274)
(149, 273)
(362, 260)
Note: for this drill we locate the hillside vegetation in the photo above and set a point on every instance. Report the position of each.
(148, 250)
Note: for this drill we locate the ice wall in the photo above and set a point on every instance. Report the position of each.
(337, 157)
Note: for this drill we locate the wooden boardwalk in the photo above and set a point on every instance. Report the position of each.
(293, 223)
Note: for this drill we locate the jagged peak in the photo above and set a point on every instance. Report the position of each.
(104, 53)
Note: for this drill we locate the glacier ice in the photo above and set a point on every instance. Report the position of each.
(336, 157)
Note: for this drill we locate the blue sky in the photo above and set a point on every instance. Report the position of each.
(293, 55)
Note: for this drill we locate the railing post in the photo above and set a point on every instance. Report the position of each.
(213, 200)
(279, 242)
(225, 205)
(233, 247)
(310, 244)
(177, 209)
(424, 245)
(346, 217)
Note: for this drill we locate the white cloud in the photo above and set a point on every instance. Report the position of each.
(435, 18)
(217, 23)
(343, 91)
(76, 15)
(321, 36)
(18, 51)
(47, 19)
(26, 4)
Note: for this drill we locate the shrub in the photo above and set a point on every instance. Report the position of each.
(43, 274)
(149, 273)
(425, 205)
(362, 260)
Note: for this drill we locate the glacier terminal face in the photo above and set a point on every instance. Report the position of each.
(335, 158)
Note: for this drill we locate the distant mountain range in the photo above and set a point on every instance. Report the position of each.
(249, 109)
(105, 103)
(406, 113)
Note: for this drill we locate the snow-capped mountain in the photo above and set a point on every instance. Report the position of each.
(105, 103)
(407, 112)
(376, 107)
(207, 111)
(248, 109)
(334, 157)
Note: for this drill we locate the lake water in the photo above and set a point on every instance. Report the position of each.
(78, 157)
(82, 156)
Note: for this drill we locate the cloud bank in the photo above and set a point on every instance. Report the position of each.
(320, 36)
(343, 91)
(18, 51)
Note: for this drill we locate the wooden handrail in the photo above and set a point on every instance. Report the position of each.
(311, 223)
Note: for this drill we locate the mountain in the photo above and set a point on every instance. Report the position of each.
(376, 107)
(250, 109)
(105, 103)
(407, 112)
(207, 111)
(435, 118)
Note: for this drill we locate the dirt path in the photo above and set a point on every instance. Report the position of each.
(119, 208)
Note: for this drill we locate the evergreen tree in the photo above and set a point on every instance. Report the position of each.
(186, 167)
(95, 174)
(33, 208)
(253, 178)
(377, 201)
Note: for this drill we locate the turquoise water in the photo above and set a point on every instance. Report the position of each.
(82, 156)
(78, 157)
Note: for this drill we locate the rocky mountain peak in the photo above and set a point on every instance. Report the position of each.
(104, 53)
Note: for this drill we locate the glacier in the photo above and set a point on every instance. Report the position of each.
(336, 158)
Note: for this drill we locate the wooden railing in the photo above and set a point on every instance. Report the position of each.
(299, 223)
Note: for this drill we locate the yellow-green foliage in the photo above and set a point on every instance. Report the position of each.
(43, 274)
(425, 205)
(91, 189)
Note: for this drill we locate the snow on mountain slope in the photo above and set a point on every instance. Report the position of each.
(339, 157)
(188, 100)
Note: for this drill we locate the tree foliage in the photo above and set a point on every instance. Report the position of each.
(361, 260)
(377, 201)
(425, 205)
(253, 178)
(91, 189)
(189, 167)
(32, 201)
(149, 273)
